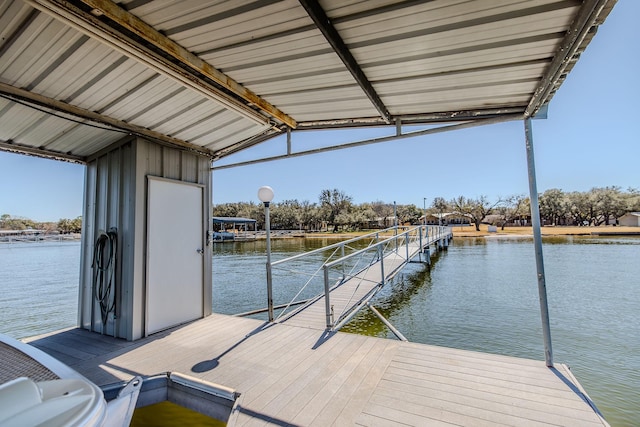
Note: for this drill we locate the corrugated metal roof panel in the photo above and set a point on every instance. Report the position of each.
(21, 125)
(49, 58)
(205, 26)
(412, 58)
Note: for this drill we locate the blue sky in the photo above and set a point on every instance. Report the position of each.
(589, 140)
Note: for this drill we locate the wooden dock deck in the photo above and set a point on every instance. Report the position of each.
(293, 376)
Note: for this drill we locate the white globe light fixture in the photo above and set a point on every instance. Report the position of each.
(265, 194)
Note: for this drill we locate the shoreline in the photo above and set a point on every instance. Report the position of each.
(470, 231)
(603, 230)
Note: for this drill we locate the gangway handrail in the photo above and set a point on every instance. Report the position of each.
(334, 245)
(381, 245)
(361, 251)
(405, 245)
(339, 246)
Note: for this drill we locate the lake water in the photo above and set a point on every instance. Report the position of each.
(480, 294)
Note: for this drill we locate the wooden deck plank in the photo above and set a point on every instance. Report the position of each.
(478, 372)
(325, 410)
(260, 378)
(311, 383)
(382, 416)
(469, 380)
(281, 379)
(469, 402)
(300, 376)
(418, 351)
(322, 388)
(528, 393)
(406, 410)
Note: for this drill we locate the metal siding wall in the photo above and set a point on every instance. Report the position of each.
(116, 196)
(189, 168)
(126, 227)
(108, 195)
(172, 164)
(86, 254)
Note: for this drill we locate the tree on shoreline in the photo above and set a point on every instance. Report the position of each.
(593, 207)
(476, 209)
(64, 225)
(337, 205)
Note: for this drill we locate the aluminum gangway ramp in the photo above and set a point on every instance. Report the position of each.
(351, 280)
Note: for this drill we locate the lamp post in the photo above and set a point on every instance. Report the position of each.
(265, 194)
(424, 207)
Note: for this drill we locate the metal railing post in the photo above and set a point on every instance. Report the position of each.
(381, 256)
(406, 244)
(420, 242)
(342, 256)
(327, 303)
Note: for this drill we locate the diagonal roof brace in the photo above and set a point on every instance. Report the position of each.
(322, 21)
(237, 97)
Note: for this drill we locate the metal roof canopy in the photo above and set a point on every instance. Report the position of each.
(217, 77)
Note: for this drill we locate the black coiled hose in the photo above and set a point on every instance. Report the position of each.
(104, 268)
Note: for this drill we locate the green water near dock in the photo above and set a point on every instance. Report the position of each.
(480, 294)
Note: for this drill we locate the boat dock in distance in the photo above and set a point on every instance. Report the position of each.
(300, 371)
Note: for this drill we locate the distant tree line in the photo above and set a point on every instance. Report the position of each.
(335, 210)
(599, 206)
(63, 226)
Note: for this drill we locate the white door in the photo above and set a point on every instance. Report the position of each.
(174, 254)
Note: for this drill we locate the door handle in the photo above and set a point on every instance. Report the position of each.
(200, 251)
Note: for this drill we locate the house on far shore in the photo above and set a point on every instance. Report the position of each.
(447, 218)
(631, 219)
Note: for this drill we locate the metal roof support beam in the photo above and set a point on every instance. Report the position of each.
(319, 17)
(54, 104)
(537, 242)
(413, 119)
(465, 125)
(580, 27)
(97, 28)
(10, 146)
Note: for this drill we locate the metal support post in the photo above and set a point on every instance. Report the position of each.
(265, 194)
(421, 247)
(424, 208)
(406, 244)
(537, 242)
(327, 303)
(381, 256)
(269, 277)
(342, 256)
